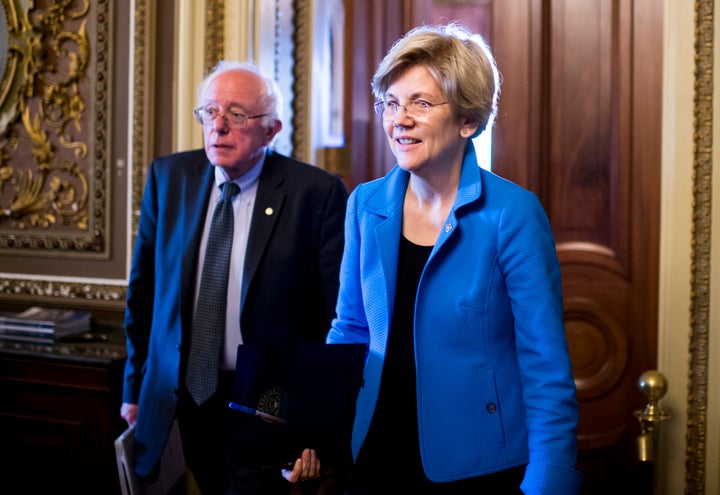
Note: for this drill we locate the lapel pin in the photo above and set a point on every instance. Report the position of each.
(268, 211)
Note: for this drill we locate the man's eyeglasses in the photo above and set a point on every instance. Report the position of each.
(388, 109)
(234, 116)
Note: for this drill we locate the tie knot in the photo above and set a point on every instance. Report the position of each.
(229, 190)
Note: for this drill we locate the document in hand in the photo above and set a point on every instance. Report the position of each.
(172, 465)
(290, 397)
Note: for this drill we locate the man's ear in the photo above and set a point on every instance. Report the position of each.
(272, 130)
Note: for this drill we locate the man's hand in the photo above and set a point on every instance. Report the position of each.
(128, 412)
(307, 467)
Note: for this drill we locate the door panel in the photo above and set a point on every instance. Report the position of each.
(585, 104)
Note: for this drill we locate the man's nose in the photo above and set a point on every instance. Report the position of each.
(220, 123)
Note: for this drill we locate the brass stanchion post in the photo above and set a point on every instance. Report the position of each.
(653, 385)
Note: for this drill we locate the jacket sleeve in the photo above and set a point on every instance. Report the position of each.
(532, 273)
(140, 296)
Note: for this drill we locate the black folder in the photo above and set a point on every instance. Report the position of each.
(290, 397)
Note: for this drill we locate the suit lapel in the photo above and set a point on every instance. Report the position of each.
(386, 204)
(268, 205)
(193, 196)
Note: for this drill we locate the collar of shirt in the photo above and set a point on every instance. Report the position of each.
(246, 181)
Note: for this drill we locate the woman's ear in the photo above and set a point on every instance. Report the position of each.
(468, 127)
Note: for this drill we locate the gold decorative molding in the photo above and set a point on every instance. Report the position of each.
(215, 33)
(32, 290)
(302, 60)
(53, 129)
(140, 112)
(701, 235)
(101, 295)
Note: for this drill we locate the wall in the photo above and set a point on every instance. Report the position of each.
(676, 274)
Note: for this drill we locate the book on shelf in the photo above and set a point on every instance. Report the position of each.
(43, 324)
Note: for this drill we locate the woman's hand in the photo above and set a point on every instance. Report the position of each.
(306, 467)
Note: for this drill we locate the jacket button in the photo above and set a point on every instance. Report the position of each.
(491, 407)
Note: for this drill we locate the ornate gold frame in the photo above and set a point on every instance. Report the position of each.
(140, 111)
(701, 235)
(92, 53)
(55, 101)
(302, 58)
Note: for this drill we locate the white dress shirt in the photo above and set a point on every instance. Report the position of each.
(242, 207)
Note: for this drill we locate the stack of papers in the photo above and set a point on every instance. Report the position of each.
(39, 324)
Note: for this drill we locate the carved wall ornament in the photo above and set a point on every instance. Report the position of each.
(215, 37)
(53, 127)
(697, 398)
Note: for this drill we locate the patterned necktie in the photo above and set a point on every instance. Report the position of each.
(208, 330)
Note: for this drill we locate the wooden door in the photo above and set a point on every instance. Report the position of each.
(579, 124)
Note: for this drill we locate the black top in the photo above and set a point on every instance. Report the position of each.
(392, 445)
(390, 455)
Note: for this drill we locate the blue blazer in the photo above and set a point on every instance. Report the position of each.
(289, 286)
(494, 379)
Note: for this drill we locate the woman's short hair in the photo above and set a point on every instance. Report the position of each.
(459, 61)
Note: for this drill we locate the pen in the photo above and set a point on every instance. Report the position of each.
(260, 414)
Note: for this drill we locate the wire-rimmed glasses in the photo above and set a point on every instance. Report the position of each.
(388, 109)
(234, 116)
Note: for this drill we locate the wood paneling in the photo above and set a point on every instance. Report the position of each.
(59, 415)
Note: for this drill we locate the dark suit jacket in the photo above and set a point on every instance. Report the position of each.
(289, 286)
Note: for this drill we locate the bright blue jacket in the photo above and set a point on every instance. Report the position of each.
(494, 379)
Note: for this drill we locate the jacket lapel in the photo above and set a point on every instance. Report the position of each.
(193, 198)
(387, 204)
(268, 204)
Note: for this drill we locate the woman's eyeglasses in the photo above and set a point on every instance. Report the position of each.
(388, 109)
